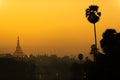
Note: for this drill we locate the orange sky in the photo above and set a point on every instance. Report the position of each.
(53, 26)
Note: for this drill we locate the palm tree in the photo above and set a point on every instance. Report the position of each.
(93, 16)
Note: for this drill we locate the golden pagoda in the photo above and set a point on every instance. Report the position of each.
(18, 52)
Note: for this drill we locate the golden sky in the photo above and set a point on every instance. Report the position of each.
(54, 26)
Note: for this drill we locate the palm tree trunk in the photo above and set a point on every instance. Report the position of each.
(95, 35)
(95, 42)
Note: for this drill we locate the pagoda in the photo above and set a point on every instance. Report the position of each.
(18, 52)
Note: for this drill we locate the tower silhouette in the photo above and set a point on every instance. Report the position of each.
(18, 52)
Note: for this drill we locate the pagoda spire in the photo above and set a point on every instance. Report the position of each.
(18, 52)
(18, 43)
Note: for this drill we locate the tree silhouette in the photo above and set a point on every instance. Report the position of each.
(16, 69)
(93, 16)
(110, 44)
(80, 56)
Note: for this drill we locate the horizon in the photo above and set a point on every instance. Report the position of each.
(54, 27)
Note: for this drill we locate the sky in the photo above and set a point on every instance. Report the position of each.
(54, 26)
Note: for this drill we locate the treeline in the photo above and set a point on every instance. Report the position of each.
(53, 67)
(41, 67)
(16, 69)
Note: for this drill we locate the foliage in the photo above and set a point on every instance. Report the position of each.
(92, 14)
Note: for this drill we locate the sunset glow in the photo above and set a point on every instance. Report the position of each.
(53, 26)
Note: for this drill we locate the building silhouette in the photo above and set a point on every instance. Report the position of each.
(18, 52)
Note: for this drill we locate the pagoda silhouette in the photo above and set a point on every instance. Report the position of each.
(18, 52)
